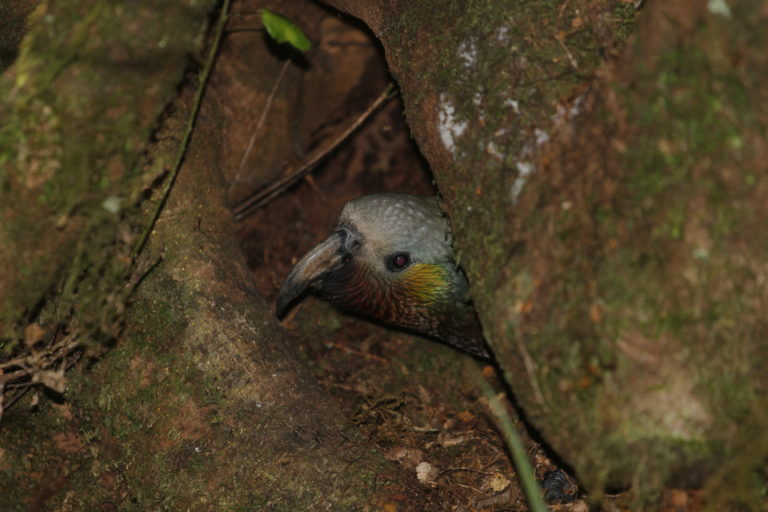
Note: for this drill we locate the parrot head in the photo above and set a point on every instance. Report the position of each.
(390, 258)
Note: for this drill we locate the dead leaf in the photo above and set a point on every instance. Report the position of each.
(498, 482)
(64, 410)
(426, 473)
(52, 379)
(33, 334)
(405, 455)
(579, 506)
(447, 440)
(595, 313)
(675, 498)
(424, 395)
(5, 462)
(68, 442)
(489, 372)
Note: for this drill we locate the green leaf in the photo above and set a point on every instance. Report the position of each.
(283, 30)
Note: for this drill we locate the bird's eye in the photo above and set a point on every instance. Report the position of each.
(399, 261)
(346, 259)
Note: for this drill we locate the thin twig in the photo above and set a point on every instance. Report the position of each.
(263, 117)
(467, 470)
(530, 368)
(65, 345)
(571, 58)
(8, 377)
(23, 385)
(202, 81)
(15, 398)
(360, 353)
(21, 378)
(500, 499)
(264, 195)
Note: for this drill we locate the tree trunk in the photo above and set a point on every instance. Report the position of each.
(608, 201)
(202, 404)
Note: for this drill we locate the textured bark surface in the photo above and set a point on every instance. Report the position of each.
(78, 107)
(608, 205)
(201, 403)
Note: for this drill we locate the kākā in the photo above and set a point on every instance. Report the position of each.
(391, 258)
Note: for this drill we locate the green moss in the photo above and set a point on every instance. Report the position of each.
(658, 246)
(674, 267)
(71, 131)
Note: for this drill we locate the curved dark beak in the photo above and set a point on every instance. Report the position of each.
(309, 271)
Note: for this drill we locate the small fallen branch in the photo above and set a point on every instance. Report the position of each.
(264, 195)
(38, 367)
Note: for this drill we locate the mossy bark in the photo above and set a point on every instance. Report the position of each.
(78, 106)
(608, 204)
(201, 403)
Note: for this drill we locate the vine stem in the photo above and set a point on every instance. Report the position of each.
(524, 470)
(184, 145)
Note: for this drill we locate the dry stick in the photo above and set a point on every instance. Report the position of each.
(530, 368)
(362, 354)
(202, 81)
(10, 382)
(263, 117)
(8, 377)
(18, 396)
(264, 195)
(55, 350)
